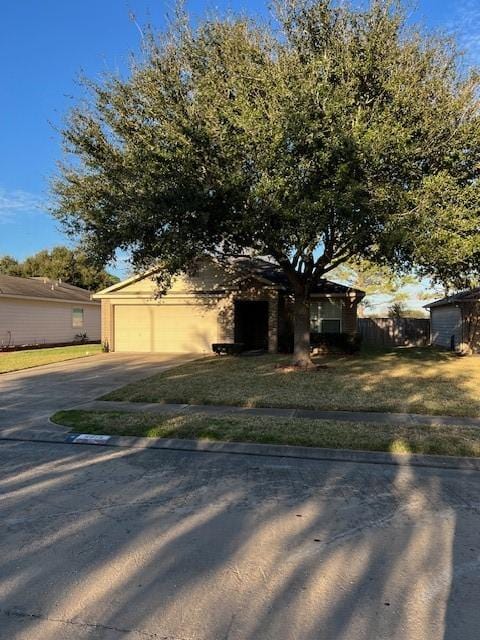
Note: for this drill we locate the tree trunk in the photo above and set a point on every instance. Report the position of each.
(301, 331)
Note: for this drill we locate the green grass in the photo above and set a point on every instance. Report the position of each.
(404, 380)
(17, 360)
(433, 440)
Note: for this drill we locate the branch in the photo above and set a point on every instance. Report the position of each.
(336, 263)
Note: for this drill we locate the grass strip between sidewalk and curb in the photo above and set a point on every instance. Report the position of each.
(19, 360)
(419, 439)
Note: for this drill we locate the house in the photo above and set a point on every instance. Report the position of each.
(455, 320)
(37, 311)
(247, 301)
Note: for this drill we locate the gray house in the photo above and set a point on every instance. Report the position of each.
(35, 311)
(455, 320)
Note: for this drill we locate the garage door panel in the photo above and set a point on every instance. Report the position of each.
(165, 329)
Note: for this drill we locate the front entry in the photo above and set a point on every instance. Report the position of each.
(251, 324)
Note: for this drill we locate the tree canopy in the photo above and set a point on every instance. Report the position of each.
(338, 133)
(70, 265)
(377, 280)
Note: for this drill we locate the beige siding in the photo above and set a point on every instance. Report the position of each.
(32, 321)
(445, 322)
(165, 328)
(209, 278)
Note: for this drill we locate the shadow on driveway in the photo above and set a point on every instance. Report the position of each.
(33, 395)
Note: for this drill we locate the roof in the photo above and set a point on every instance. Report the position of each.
(267, 272)
(44, 288)
(271, 272)
(469, 295)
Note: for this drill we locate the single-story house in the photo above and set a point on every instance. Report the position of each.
(455, 320)
(37, 311)
(248, 301)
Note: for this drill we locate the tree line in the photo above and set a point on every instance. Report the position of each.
(60, 263)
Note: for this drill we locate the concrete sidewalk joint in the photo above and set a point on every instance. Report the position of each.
(310, 414)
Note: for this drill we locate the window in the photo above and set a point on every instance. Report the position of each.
(326, 316)
(77, 318)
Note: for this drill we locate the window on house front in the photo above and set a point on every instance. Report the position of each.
(77, 318)
(326, 316)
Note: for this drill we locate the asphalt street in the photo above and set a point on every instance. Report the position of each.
(109, 543)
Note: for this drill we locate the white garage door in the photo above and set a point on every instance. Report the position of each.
(446, 322)
(165, 329)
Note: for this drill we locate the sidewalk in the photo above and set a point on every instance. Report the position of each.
(343, 416)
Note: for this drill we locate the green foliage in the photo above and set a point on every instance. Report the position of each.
(373, 278)
(338, 134)
(376, 279)
(71, 266)
(397, 310)
(9, 266)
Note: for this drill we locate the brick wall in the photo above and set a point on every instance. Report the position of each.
(107, 323)
(349, 317)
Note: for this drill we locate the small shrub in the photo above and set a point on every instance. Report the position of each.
(336, 342)
(325, 342)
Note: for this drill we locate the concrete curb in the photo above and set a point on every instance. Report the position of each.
(263, 450)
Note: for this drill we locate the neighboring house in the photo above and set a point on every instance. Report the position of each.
(455, 320)
(248, 302)
(41, 311)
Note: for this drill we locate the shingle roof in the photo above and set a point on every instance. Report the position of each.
(42, 288)
(469, 295)
(273, 273)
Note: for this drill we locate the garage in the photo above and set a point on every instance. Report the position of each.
(172, 328)
(455, 321)
(446, 326)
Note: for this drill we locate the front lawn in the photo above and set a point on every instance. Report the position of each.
(419, 380)
(16, 360)
(434, 440)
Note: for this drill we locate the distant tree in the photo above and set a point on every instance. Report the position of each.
(375, 280)
(396, 310)
(341, 132)
(60, 263)
(9, 266)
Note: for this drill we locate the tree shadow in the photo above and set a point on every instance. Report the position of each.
(111, 542)
(414, 380)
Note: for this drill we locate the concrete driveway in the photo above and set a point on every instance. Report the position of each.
(29, 397)
(104, 544)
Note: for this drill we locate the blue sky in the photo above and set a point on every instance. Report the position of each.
(45, 45)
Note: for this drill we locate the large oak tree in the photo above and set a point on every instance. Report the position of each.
(333, 133)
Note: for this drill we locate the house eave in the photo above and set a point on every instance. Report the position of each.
(46, 299)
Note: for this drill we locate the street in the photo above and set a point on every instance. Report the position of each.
(110, 543)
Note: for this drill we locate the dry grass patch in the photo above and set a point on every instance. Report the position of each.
(405, 380)
(433, 440)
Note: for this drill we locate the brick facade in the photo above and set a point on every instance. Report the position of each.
(349, 317)
(107, 323)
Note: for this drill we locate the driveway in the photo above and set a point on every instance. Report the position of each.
(105, 544)
(29, 397)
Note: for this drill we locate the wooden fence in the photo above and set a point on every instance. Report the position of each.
(394, 332)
